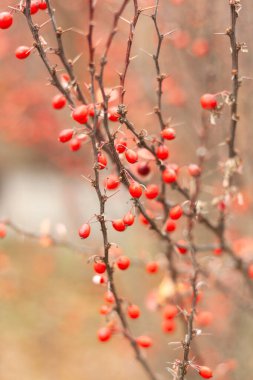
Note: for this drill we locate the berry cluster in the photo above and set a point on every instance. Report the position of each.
(142, 162)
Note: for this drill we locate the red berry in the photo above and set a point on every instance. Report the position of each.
(133, 311)
(109, 297)
(22, 52)
(99, 267)
(84, 231)
(113, 114)
(135, 190)
(58, 102)
(208, 102)
(91, 110)
(152, 267)
(222, 206)
(176, 212)
(181, 39)
(205, 372)
(128, 219)
(104, 334)
(75, 144)
(42, 5)
(169, 325)
(102, 161)
(144, 341)
(200, 47)
(250, 271)
(144, 220)
(152, 191)
(65, 78)
(182, 247)
(204, 318)
(194, 170)
(170, 311)
(131, 156)
(80, 114)
(143, 169)
(6, 20)
(111, 182)
(2, 230)
(162, 152)
(65, 135)
(170, 226)
(104, 310)
(168, 134)
(119, 225)
(121, 145)
(217, 251)
(169, 176)
(34, 7)
(123, 262)
(199, 296)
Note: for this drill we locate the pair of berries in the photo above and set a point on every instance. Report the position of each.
(121, 224)
(37, 5)
(66, 135)
(123, 263)
(169, 313)
(105, 333)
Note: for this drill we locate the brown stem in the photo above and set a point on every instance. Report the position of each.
(38, 45)
(231, 32)
(102, 198)
(133, 24)
(67, 64)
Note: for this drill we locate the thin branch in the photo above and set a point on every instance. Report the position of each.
(102, 198)
(67, 64)
(235, 49)
(133, 24)
(48, 238)
(159, 76)
(38, 45)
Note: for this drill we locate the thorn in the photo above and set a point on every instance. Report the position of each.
(15, 9)
(86, 178)
(149, 54)
(77, 58)
(75, 30)
(221, 33)
(97, 43)
(124, 19)
(246, 78)
(148, 8)
(171, 32)
(45, 23)
(132, 58)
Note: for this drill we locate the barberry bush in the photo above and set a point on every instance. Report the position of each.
(143, 108)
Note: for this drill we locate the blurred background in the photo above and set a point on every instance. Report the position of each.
(49, 306)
